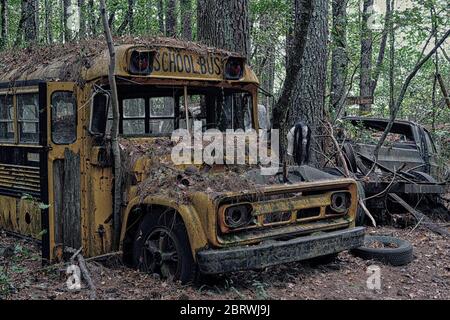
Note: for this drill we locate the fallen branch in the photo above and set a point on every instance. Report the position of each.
(347, 172)
(403, 92)
(86, 276)
(420, 217)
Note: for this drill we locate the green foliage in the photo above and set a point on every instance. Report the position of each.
(271, 21)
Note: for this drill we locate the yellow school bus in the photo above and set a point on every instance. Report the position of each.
(57, 176)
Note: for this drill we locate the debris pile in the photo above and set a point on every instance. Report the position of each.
(165, 178)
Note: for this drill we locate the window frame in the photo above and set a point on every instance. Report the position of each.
(13, 120)
(52, 113)
(19, 121)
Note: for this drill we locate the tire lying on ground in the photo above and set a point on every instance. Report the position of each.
(395, 251)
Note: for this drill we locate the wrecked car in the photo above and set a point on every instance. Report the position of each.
(58, 181)
(408, 169)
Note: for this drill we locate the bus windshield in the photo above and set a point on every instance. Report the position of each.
(157, 111)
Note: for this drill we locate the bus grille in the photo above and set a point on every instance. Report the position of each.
(20, 179)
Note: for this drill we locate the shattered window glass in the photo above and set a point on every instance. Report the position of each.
(27, 106)
(6, 119)
(64, 118)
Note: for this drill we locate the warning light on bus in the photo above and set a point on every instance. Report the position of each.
(141, 62)
(234, 69)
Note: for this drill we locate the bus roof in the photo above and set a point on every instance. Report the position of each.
(89, 60)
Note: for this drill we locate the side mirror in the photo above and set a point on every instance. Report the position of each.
(299, 142)
(99, 114)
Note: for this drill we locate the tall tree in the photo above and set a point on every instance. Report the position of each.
(171, 18)
(283, 109)
(91, 16)
(365, 78)
(308, 98)
(68, 36)
(48, 7)
(266, 65)
(31, 22)
(129, 19)
(160, 7)
(381, 53)
(4, 25)
(82, 14)
(186, 19)
(339, 58)
(227, 31)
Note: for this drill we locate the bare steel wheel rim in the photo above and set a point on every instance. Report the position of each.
(160, 254)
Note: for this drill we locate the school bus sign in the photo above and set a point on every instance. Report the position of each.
(183, 64)
(170, 63)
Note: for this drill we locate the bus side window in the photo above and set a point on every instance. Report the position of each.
(64, 117)
(27, 106)
(6, 119)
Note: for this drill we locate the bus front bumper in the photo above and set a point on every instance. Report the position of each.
(270, 253)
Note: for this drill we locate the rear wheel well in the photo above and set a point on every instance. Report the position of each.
(135, 218)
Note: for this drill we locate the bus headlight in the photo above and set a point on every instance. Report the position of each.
(340, 202)
(238, 216)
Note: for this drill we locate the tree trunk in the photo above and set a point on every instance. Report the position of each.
(67, 32)
(186, 18)
(308, 98)
(160, 5)
(48, 18)
(171, 18)
(30, 20)
(4, 25)
(266, 56)
(114, 129)
(128, 21)
(381, 52)
(82, 10)
(226, 31)
(282, 111)
(365, 80)
(339, 58)
(92, 18)
(20, 27)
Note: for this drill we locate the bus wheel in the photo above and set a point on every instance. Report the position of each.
(162, 247)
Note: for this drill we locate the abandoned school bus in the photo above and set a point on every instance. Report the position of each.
(57, 176)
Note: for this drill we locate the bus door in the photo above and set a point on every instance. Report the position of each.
(63, 167)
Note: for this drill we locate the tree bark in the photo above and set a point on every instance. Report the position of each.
(186, 18)
(171, 18)
(308, 98)
(4, 25)
(128, 21)
(266, 65)
(221, 30)
(30, 22)
(48, 18)
(365, 79)
(339, 59)
(20, 27)
(160, 5)
(303, 12)
(68, 36)
(115, 127)
(92, 20)
(82, 10)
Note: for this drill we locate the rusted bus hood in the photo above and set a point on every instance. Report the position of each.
(265, 199)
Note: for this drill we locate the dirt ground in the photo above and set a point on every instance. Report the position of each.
(427, 277)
